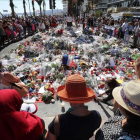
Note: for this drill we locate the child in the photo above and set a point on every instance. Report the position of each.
(42, 26)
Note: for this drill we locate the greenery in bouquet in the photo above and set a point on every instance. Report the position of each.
(82, 52)
(60, 76)
(56, 45)
(91, 53)
(107, 60)
(54, 65)
(47, 96)
(11, 68)
(7, 57)
(69, 47)
(20, 46)
(57, 51)
(135, 56)
(88, 82)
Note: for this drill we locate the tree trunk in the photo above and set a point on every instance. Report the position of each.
(44, 5)
(12, 8)
(69, 7)
(40, 10)
(33, 8)
(24, 8)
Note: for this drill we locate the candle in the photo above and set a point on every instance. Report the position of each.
(62, 104)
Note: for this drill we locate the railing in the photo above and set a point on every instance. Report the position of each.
(115, 1)
(103, 1)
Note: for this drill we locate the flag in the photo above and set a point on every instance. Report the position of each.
(33, 0)
(15, 7)
(5, 10)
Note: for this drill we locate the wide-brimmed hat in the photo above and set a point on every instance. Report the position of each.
(129, 96)
(75, 90)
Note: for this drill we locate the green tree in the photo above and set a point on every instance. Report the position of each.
(98, 13)
(24, 8)
(12, 8)
(39, 2)
(33, 5)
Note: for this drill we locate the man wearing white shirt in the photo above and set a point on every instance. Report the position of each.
(69, 20)
(124, 27)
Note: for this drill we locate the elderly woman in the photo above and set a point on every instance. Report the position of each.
(78, 123)
(126, 126)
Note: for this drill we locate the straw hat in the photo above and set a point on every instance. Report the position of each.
(75, 90)
(129, 96)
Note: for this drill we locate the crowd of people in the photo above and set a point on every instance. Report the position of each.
(78, 123)
(18, 28)
(122, 28)
(12, 29)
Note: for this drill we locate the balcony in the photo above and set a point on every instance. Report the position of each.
(103, 1)
(101, 7)
(115, 1)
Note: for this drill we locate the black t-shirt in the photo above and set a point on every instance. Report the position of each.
(77, 127)
(109, 97)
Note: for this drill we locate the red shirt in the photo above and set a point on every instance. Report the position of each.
(16, 124)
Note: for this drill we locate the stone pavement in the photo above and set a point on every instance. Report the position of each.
(48, 111)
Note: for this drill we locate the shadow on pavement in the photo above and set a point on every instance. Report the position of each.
(107, 114)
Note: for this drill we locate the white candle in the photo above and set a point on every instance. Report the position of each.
(63, 104)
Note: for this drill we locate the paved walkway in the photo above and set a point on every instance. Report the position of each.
(48, 111)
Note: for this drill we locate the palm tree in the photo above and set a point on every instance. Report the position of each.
(131, 3)
(12, 8)
(44, 6)
(69, 6)
(24, 8)
(33, 7)
(39, 3)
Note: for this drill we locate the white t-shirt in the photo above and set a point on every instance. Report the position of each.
(20, 26)
(69, 19)
(124, 26)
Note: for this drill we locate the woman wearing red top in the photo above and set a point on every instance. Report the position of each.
(16, 124)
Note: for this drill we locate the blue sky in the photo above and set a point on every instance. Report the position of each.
(4, 5)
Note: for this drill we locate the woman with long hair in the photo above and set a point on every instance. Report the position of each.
(127, 125)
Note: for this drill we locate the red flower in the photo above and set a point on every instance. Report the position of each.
(52, 90)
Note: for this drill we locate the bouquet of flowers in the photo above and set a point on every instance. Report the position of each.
(47, 96)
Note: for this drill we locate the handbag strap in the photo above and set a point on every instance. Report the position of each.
(57, 125)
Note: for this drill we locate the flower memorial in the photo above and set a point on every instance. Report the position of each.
(47, 59)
